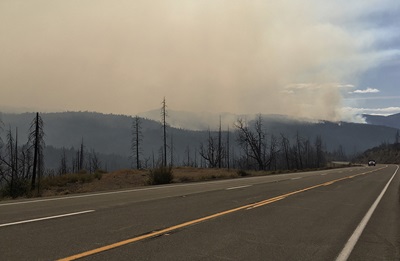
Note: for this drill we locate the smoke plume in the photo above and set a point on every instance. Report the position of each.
(281, 57)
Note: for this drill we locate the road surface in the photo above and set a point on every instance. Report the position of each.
(341, 214)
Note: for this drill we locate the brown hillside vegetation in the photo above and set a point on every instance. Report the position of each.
(84, 182)
(383, 154)
(128, 178)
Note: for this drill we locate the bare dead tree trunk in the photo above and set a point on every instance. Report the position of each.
(228, 149)
(285, 145)
(273, 151)
(299, 149)
(319, 152)
(210, 153)
(11, 160)
(188, 156)
(95, 161)
(81, 156)
(219, 144)
(63, 163)
(35, 150)
(136, 140)
(253, 142)
(172, 151)
(164, 123)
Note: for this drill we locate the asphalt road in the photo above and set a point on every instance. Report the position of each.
(302, 216)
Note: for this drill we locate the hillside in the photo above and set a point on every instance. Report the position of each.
(110, 135)
(383, 154)
(389, 121)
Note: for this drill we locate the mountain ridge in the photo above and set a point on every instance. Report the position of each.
(111, 134)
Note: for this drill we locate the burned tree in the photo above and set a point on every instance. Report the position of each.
(36, 139)
(81, 156)
(273, 152)
(253, 142)
(220, 149)
(63, 169)
(94, 162)
(320, 157)
(136, 141)
(2, 171)
(212, 153)
(164, 125)
(285, 145)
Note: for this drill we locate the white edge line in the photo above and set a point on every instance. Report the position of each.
(348, 248)
(245, 186)
(45, 218)
(296, 178)
(113, 192)
(128, 191)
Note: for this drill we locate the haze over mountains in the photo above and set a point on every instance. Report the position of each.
(110, 135)
(389, 121)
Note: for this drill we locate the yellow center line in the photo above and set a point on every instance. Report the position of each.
(196, 221)
(265, 202)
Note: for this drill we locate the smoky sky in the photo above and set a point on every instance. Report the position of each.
(285, 57)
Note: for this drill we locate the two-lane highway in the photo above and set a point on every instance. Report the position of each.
(302, 216)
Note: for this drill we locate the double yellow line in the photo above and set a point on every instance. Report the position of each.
(196, 221)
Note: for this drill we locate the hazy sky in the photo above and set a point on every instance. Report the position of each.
(309, 58)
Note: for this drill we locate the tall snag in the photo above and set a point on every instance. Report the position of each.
(36, 139)
(164, 124)
(136, 140)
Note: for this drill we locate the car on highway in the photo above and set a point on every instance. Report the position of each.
(371, 163)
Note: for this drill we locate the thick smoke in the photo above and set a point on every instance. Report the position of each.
(281, 57)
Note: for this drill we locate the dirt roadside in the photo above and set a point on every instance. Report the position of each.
(128, 178)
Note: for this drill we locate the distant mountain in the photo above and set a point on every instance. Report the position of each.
(210, 120)
(383, 154)
(389, 121)
(195, 120)
(111, 134)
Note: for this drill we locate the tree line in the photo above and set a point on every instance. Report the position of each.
(258, 149)
(22, 165)
(249, 146)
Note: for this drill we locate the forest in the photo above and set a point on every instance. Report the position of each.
(246, 145)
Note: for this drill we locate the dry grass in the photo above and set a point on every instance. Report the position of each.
(109, 181)
(128, 178)
(189, 174)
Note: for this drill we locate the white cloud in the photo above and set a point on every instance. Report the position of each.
(368, 90)
(347, 86)
(373, 111)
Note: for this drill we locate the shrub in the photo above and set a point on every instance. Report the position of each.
(20, 188)
(161, 175)
(99, 174)
(71, 178)
(243, 173)
(185, 179)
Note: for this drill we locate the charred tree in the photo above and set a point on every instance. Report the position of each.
(210, 152)
(136, 142)
(95, 163)
(164, 126)
(285, 145)
(228, 149)
(219, 144)
(63, 169)
(320, 160)
(171, 152)
(36, 138)
(253, 142)
(81, 156)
